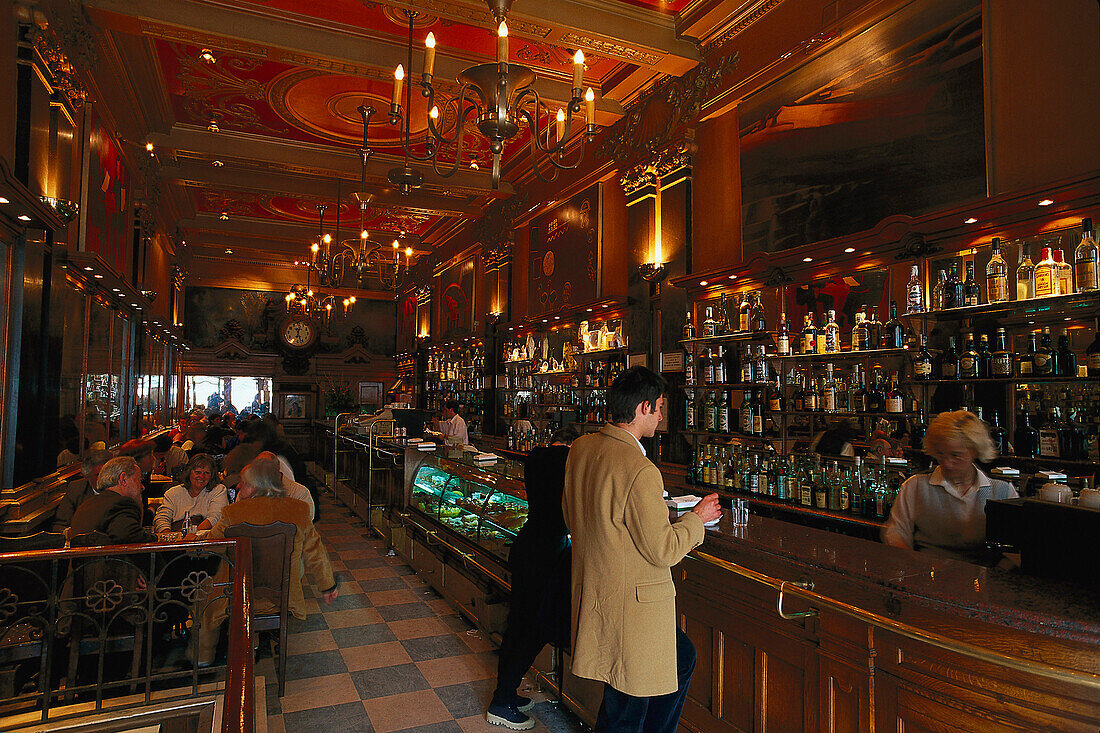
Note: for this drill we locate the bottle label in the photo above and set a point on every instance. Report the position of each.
(819, 498)
(1094, 361)
(1044, 282)
(831, 341)
(724, 420)
(971, 299)
(968, 366)
(783, 345)
(1042, 362)
(809, 343)
(997, 288)
(774, 404)
(1001, 365)
(949, 370)
(758, 424)
(914, 301)
(1025, 367)
(743, 321)
(689, 375)
(1086, 275)
(746, 422)
(804, 497)
(845, 501)
(922, 369)
(810, 403)
(893, 404)
(690, 417)
(830, 399)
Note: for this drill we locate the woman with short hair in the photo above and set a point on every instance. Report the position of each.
(200, 496)
(944, 511)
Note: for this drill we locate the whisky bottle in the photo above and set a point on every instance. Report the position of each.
(895, 400)
(782, 337)
(949, 361)
(720, 366)
(1085, 256)
(985, 358)
(996, 275)
(859, 333)
(893, 334)
(939, 292)
(953, 295)
(1063, 273)
(1001, 362)
(1044, 360)
(922, 361)
(689, 327)
(914, 292)
(968, 362)
(710, 413)
(809, 336)
(828, 390)
(1046, 281)
(1067, 360)
(689, 369)
(760, 366)
(1026, 438)
(874, 330)
(776, 403)
(744, 313)
(972, 292)
(832, 334)
(1025, 274)
(759, 321)
(710, 325)
(1025, 363)
(998, 435)
(724, 413)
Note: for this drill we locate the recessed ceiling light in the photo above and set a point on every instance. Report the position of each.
(217, 164)
(971, 220)
(4, 200)
(228, 251)
(733, 277)
(213, 126)
(1046, 202)
(24, 217)
(589, 310)
(849, 250)
(89, 269)
(225, 216)
(116, 290)
(97, 276)
(807, 259)
(702, 282)
(605, 305)
(557, 318)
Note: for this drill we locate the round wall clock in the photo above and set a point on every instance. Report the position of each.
(298, 333)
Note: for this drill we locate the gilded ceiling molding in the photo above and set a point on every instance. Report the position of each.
(72, 28)
(610, 48)
(179, 277)
(659, 166)
(499, 256)
(470, 14)
(194, 38)
(63, 75)
(741, 23)
(649, 127)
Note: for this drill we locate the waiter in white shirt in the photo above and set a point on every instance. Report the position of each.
(452, 428)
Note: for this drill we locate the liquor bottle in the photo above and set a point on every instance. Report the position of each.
(861, 401)
(919, 428)
(760, 372)
(939, 292)
(719, 362)
(1025, 362)
(782, 337)
(689, 327)
(1092, 357)
(953, 295)
(809, 336)
(832, 334)
(859, 333)
(744, 412)
(1045, 360)
(1063, 273)
(1026, 438)
(710, 412)
(1001, 362)
(1046, 281)
(811, 398)
(805, 487)
(1085, 260)
(968, 362)
(843, 394)
(747, 374)
(922, 361)
(724, 315)
(949, 361)
(874, 330)
(724, 413)
(710, 325)
(985, 358)
(757, 414)
(1025, 274)
(1067, 360)
(828, 390)
(895, 400)
(852, 399)
(972, 292)
(821, 489)
(798, 394)
(998, 435)
(744, 313)
(893, 333)
(876, 392)
(776, 403)
(996, 275)
(759, 322)
(914, 292)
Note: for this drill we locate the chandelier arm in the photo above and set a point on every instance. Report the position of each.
(460, 123)
(549, 150)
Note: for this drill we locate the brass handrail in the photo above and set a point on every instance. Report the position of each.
(371, 447)
(959, 647)
(466, 556)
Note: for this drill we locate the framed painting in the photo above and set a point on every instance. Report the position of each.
(296, 406)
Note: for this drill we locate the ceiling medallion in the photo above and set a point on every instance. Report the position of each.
(499, 98)
(399, 17)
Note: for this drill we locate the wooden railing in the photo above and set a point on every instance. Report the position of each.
(102, 632)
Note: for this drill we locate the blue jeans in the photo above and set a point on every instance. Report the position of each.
(622, 713)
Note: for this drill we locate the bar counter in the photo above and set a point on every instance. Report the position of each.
(802, 629)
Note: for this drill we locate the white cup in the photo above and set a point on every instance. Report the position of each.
(1089, 498)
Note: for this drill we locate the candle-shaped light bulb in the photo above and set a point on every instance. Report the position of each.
(502, 43)
(363, 234)
(314, 248)
(434, 114)
(327, 239)
(309, 293)
(408, 251)
(398, 79)
(590, 106)
(429, 54)
(561, 124)
(395, 245)
(352, 300)
(328, 306)
(578, 68)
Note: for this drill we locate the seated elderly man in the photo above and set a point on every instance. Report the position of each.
(116, 510)
(247, 452)
(262, 499)
(80, 489)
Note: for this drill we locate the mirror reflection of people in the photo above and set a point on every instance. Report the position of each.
(835, 440)
(944, 511)
(539, 561)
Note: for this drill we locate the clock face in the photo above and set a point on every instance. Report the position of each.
(298, 333)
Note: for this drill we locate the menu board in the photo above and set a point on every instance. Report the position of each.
(565, 254)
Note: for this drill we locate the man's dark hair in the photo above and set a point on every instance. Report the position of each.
(451, 405)
(631, 388)
(564, 435)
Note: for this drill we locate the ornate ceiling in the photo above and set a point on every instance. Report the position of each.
(249, 143)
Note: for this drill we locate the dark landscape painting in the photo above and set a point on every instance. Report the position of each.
(890, 122)
(252, 317)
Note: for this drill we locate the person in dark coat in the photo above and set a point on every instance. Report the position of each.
(540, 565)
(80, 489)
(116, 510)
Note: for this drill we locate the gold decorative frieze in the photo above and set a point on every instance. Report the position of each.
(740, 24)
(659, 166)
(610, 48)
(195, 38)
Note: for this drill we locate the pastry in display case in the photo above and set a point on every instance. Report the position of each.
(485, 508)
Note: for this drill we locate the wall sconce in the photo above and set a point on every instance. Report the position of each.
(652, 271)
(493, 318)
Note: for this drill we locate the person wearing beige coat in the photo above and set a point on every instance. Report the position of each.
(624, 546)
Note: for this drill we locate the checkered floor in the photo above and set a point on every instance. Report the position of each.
(389, 655)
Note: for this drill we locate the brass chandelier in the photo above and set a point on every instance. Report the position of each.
(500, 98)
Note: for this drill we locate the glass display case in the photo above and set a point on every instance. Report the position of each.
(485, 507)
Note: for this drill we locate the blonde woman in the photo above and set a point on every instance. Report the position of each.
(944, 511)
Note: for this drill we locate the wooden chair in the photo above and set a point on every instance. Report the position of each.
(272, 547)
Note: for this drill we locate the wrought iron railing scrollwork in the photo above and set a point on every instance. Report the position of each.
(100, 629)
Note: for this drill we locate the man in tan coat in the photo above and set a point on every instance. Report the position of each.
(624, 602)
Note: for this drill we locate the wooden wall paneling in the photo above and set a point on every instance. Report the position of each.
(521, 265)
(716, 195)
(1042, 65)
(9, 30)
(616, 260)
